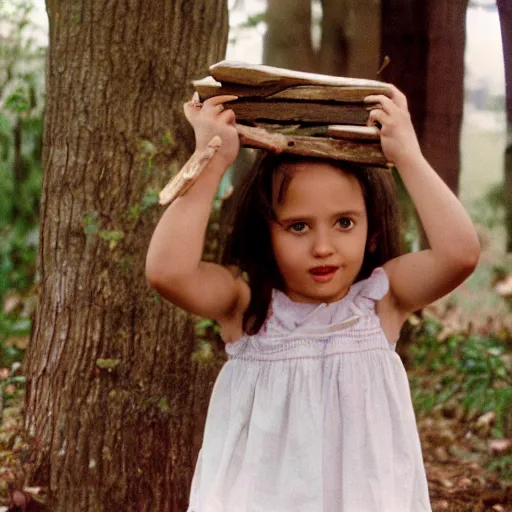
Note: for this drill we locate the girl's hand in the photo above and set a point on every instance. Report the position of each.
(211, 118)
(397, 135)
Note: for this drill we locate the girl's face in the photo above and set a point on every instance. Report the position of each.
(319, 235)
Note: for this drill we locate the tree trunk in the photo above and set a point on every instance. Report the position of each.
(350, 38)
(405, 42)
(115, 402)
(505, 11)
(425, 42)
(287, 42)
(445, 88)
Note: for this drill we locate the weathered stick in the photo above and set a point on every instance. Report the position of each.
(336, 131)
(189, 173)
(351, 132)
(209, 87)
(366, 153)
(300, 112)
(259, 75)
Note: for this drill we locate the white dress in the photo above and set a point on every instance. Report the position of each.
(313, 414)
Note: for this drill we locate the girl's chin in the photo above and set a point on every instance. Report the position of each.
(318, 292)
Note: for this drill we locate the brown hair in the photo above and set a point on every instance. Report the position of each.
(249, 245)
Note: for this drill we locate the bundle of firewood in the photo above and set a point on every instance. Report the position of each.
(302, 113)
(286, 111)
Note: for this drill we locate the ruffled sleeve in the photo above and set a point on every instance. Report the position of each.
(377, 285)
(369, 291)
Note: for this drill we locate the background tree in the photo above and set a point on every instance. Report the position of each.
(444, 101)
(405, 42)
(505, 11)
(350, 43)
(115, 402)
(287, 42)
(426, 41)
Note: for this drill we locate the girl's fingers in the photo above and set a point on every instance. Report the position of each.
(192, 107)
(218, 108)
(228, 116)
(217, 100)
(377, 118)
(399, 97)
(215, 105)
(383, 102)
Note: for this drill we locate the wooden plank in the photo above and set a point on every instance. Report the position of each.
(302, 112)
(295, 129)
(258, 75)
(364, 153)
(337, 131)
(351, 132)
(209, 87)
(328, 93)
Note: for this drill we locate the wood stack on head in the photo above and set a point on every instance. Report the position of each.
(286, 111)
(300, 113)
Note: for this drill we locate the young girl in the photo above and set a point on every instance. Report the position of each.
(312, 412)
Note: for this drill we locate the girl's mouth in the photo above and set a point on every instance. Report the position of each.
(324, 273)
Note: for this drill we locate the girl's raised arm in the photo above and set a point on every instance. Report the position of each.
(173, 264)
(418, 279)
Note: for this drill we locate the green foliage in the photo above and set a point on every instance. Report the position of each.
(91, 223)
(409, 227)
(21, 127)
(502, 465)
(470, 367)
(107, 364)
(207, 341)
(466, 368)
(149, 199)
(254, 20)
(489, 210)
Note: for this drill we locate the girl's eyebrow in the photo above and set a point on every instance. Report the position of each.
(305, 218)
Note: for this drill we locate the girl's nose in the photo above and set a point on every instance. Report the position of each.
(322, 246)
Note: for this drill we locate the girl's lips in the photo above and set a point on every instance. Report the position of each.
(323, 273)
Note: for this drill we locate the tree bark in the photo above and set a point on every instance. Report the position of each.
(115, 400)
(287, 42)
(405, 42)
(445, 88)
(350, 44)
(505, 12)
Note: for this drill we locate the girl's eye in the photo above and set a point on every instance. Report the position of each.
(345, 223)
(298, 227)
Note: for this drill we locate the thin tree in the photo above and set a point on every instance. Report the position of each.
(405, 42)
(287, 42)
(444, 102)
(505, 12)
(114, 398)
(350, 43)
